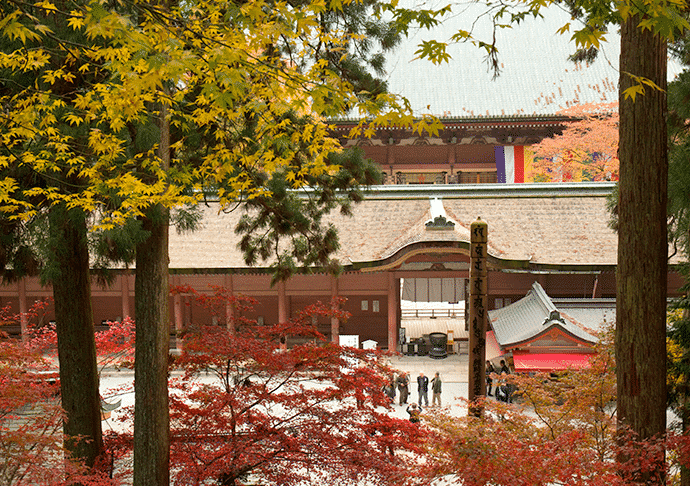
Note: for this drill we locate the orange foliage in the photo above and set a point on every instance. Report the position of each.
(587, 150)
(562, 431)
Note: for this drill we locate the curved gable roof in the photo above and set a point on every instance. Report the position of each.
(531, 317)
(533, 226)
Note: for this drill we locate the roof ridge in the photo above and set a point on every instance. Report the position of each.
(544, 299)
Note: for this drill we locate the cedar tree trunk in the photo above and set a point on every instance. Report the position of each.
(151, 418)
(642, 239)
(152, 291)
(71, 282)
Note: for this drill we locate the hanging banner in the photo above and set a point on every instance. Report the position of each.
(510, 164)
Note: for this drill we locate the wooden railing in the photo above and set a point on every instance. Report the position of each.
(433, 314)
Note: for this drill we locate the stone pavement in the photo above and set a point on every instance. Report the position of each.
(453, 371)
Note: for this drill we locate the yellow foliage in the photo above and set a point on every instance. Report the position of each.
(211, 65)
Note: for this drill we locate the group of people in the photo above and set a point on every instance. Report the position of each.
(402, 383)
(503, 389)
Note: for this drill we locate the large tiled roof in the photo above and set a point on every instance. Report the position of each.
(536, 77)
(558, 225)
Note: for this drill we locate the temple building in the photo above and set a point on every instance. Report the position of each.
(400, 241)
(408, 241)
(538, 333)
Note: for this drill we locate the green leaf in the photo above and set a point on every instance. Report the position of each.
(433, 51)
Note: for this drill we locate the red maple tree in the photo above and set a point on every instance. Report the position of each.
(31, 434)
(242, 407)
(115, 345)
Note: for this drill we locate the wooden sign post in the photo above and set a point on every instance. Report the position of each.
(478, 307)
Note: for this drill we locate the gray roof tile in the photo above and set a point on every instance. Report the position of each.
(536, 76)
(552, 225)
(531, 316)
(593, 314)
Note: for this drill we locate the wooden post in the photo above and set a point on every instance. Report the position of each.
(478, 306)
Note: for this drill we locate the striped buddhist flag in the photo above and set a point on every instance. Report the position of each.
(510, 163)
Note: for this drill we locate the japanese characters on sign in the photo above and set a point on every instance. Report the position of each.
(477, 308)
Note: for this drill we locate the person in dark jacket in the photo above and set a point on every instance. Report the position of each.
(504, 391)
(389, 389)
(436, 390)
(403, 387)
(423, 389)
(489, 381)
(415, 411)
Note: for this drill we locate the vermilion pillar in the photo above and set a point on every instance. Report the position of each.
(283, 310)
(124, 289)
(23, 309)
(392, 312)
(335, 322)
(229, 304)
(177, 313)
